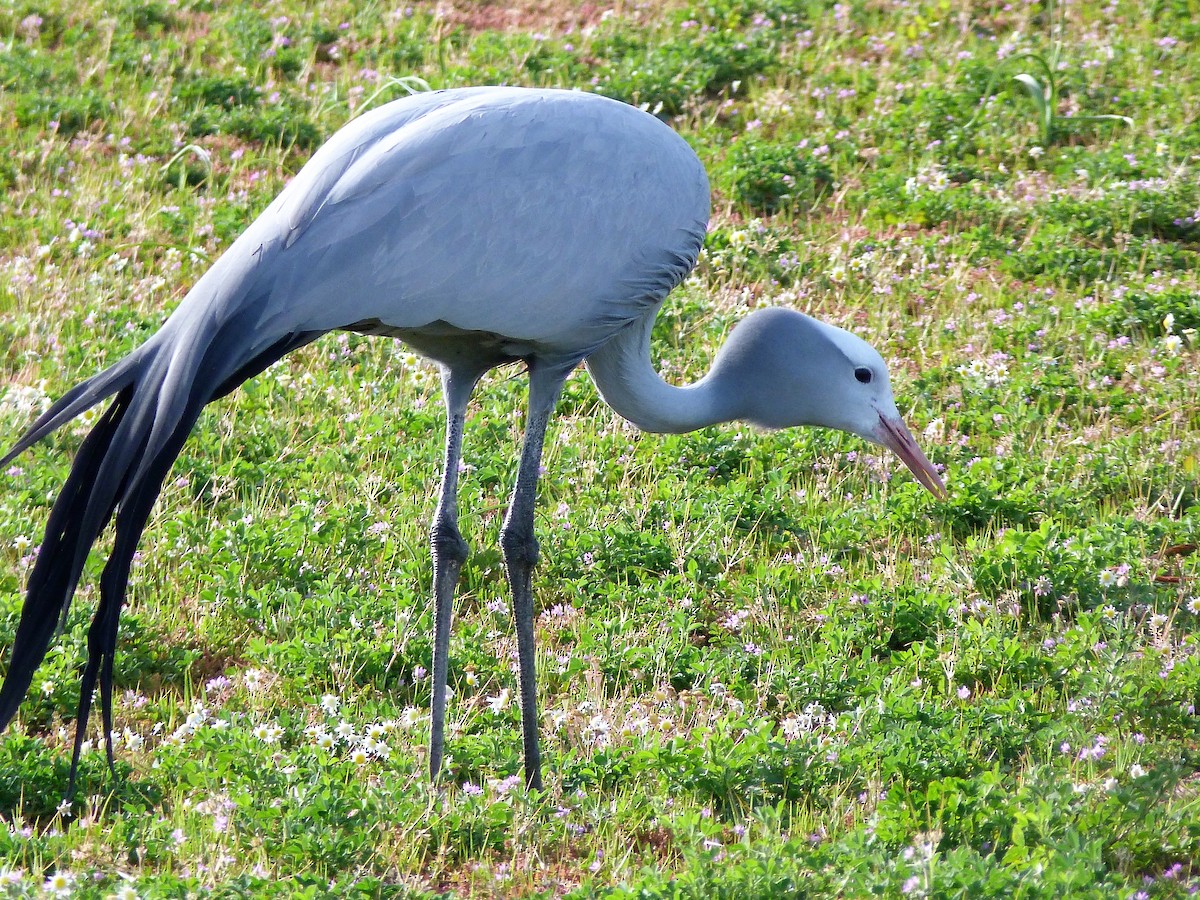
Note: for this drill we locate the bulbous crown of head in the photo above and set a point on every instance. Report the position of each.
(790, 369)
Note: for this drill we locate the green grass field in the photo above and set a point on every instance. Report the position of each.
(771, 665)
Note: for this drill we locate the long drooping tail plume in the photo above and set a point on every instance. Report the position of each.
(120, 467)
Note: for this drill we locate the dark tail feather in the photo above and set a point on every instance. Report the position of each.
(50, 584)
(120, 467)
(102, 636)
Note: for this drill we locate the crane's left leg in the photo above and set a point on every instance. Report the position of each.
(520, 549)
(449, 553)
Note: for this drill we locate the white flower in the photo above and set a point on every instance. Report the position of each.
(1108, 578)
(59, 884)
(267, 732)
(253, 679)
(500, 702)
(377, 748)
(330, 703)
(1172, 343)
(1136, 771)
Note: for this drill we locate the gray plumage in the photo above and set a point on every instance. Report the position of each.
(482, 226)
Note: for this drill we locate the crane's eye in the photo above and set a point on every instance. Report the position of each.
(863, 374)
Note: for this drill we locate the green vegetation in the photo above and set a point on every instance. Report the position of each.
(771, 665)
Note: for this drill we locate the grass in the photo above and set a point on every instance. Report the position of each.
(771, 666)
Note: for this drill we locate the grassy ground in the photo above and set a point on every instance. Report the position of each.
(771, 666)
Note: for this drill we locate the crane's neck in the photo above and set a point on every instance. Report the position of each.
(628, 382)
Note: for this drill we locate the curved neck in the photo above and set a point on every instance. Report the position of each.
(629, 384)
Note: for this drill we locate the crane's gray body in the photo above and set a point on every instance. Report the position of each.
(434, 212)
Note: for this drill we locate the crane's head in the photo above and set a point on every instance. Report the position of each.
(789, 369)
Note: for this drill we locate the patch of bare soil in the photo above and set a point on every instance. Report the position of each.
(528, 15)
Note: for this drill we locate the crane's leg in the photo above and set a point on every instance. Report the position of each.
(449, 553)
(520, 549)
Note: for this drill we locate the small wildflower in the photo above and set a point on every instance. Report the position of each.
(59, 884)
(11, 877)
(506, 786)
(1136, 771)
(330, 703)
(500, 702)
(964, 692)
(267, 732)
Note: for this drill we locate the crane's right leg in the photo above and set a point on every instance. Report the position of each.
(449, 554)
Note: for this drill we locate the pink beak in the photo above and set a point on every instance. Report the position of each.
(894, 435)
